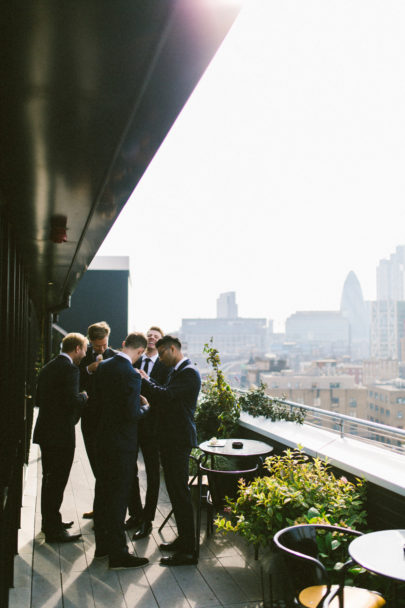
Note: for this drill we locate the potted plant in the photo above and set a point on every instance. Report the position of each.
(218, 410)
(298, 489)
(256, 403)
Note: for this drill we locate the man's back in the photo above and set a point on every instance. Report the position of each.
(118, 389)
(59, 402)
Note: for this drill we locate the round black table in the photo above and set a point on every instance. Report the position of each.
(381, 552)
(251, 448)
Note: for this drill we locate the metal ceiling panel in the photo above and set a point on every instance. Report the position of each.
(90, 89)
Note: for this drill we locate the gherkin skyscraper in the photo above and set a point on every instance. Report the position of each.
(353, 308)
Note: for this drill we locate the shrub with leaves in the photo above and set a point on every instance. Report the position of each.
(256, 403)
(297, 490)
(218, 410)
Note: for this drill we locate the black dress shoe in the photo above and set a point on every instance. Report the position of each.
(99, 553)
(179, 559)
(65, 525)
(127, 561)
(132, 522)
(61, 537)
(143, 531)
(173, 546)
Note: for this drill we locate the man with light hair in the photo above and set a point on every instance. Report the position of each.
(60, 405)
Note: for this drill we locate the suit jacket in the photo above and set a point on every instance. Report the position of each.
(148, 426)
(176, 403)
(118, 389)
(87, 383)
(60, 403)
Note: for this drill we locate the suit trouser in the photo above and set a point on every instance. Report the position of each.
(89, 432)
(114, 476)
(175, 462)
(150, 451)
(56, 464)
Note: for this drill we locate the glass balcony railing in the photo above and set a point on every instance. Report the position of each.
(388, 437)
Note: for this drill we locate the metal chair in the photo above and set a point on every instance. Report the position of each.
(313, 586)
(221, 485)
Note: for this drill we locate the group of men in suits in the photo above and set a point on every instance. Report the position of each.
(136, 398)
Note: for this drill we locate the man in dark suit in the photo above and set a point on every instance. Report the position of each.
(98, 350)
(141, 518)
(176, 402)
(60, 405)
(118, 393)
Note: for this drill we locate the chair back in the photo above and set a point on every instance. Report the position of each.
(301, 555)
(225, 484)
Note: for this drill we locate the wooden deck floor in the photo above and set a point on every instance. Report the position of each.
(66, 576)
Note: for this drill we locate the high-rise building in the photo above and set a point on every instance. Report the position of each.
(354, 310)
(387, 313)
(226, 306)
(391, 276)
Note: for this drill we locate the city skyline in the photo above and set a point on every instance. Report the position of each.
(282, 174)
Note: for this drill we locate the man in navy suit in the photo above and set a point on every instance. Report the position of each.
(141, 518)
(60, 405)
(98, 350)
(176, 402)
(118, 393)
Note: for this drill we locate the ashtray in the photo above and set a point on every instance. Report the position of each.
(238, 445)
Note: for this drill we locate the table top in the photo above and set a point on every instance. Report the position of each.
(251, 447)
(381, 552)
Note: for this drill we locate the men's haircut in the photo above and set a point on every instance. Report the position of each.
(98, 331)
(156, 328)
(70, 341)
(135, 340)
(169, 341)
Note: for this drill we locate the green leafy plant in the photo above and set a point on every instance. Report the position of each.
(218, 410)
(297, 490)
(256, 403)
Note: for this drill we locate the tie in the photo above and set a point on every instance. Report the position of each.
(146, 365)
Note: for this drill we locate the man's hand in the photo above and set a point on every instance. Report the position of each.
(92, 368)
(143, 374)
(145, 406)
(85, 394)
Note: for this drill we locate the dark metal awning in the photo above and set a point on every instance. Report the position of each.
(90, 89)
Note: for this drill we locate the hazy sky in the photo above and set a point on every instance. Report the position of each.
(285, 170)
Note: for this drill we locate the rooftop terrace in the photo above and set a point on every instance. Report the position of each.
(67, 576)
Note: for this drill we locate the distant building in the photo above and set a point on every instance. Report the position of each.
(232, 337)
(354, 310)
(387, 329)
(319, 332)
(391, 276)
(101, 295)
(379, 370)
(386, 403)
(387, 340)
(328, 392)
(226, 306)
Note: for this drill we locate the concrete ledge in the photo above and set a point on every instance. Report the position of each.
(375, 464)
